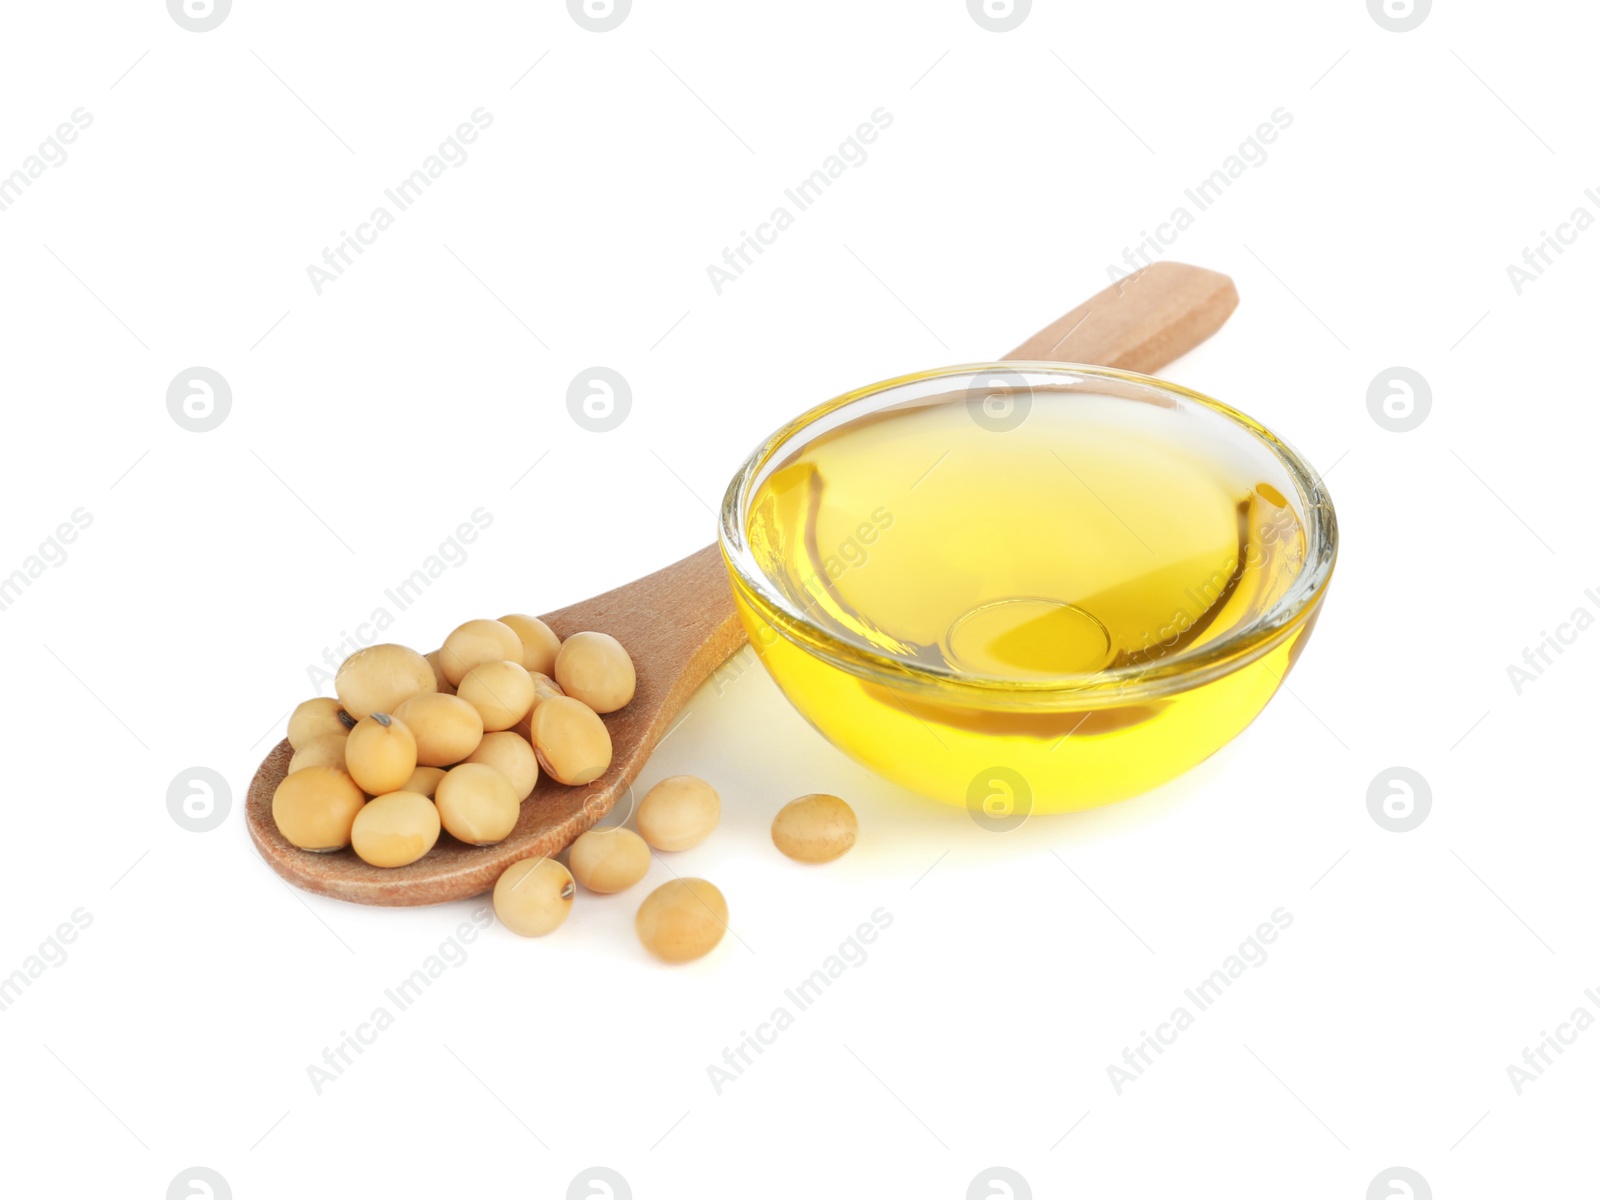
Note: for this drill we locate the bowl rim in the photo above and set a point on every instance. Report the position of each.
(1164, 676)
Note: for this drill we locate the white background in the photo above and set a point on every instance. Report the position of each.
(368, 421)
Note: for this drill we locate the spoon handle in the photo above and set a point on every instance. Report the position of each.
(1140, 323)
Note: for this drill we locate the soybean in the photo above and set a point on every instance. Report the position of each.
(380, 754)
(324, 751)
(440, 683)
(679, 812)
(477, 804)
(501, 691)
(543, 688)
(315, 808)
(380, 678)
(447, 728)
(511, 755)
(814, 829)
(609, 860)
(477, 642)
(534, 896)
(573, 745)
(314, 718)
(682, 920)
(594, 668)
(539, 642)
(395, 829)
(424, 781)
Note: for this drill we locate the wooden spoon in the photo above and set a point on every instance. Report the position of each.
(679, 625)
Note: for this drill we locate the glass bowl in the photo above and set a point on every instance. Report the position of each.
(1027, 586)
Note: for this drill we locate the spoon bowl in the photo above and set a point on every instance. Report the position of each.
(679, 626)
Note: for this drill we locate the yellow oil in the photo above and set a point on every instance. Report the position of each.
(1034, 580)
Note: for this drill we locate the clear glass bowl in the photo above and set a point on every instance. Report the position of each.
(1070, 720)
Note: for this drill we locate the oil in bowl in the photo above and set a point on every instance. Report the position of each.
(1028, 587)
